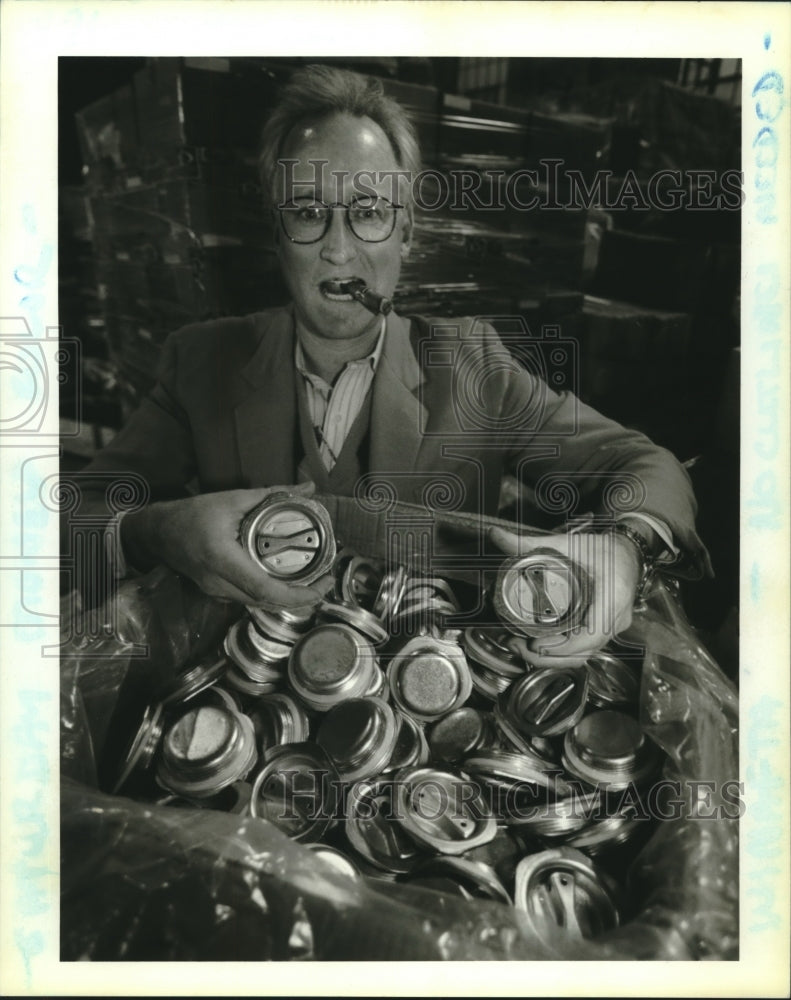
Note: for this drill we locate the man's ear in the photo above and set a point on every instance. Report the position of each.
(276, 234)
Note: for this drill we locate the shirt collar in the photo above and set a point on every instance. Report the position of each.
(372, 358)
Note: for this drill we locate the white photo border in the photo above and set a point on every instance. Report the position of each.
(34, 34)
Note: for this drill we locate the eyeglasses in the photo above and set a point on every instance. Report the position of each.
(306, 220)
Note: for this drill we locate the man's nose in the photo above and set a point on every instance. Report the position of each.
(338, 244)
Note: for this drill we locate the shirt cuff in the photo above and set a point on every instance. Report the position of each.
(672, 551)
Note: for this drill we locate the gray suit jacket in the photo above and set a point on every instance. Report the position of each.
(451, 411)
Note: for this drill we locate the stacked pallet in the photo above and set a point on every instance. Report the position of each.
(176, 218)
(497, 232)
(89, 408)
(656, 336)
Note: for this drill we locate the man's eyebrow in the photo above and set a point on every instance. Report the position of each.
(306, 187)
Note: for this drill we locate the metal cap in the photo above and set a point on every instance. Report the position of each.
(609, 748)
(443, 811)
(542, 593)
(487, 683)
(539, 749)
(476, 877)
(219, 695)
(272, 623)
(201, 740)
(495, 649)
(365, 622)
(378, 687)
(411, 748)
(420, 616)
(359, 736)
(298, 616)
(372, 830)
(143, 745)
(271, 650)
(611, 681)
(604, 834)
(239, 681)
(516, 784)
(390, 593)
(253, 663)
(360, 582)
(234, 799)
(546, 702)
(429, 678)
(206, 749)
(290, 537)
(564, 896)
(459, 733)
(191, 682)
(561, 817)
(440, 588)
(279, 719)
(297, 790)
(330, 664)
(506, 768)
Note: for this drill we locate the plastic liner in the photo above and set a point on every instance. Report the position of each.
(147, 882)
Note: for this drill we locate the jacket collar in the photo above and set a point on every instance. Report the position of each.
(266, 416)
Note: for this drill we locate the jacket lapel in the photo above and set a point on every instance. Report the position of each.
(266, 416)
(398, 418)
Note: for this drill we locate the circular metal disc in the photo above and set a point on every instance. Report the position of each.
(143, 745)
(296, 789)
(289, 537)
(564, 896)
(358, 735)
(437, 811)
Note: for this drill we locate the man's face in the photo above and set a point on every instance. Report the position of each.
(348, 145)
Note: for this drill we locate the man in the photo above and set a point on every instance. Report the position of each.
(329, 392)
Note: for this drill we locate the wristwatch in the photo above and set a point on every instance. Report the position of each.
(645, 554)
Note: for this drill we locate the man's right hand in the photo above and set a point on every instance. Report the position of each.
(199, 537)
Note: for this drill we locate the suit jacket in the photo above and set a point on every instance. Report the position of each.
(451, 411)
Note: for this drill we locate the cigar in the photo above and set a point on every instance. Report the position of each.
(373, 301)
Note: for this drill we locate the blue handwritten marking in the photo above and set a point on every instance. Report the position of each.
(30, 944)
(755, 583)
(763, 731)
(769, 105)
(29, 219)
(765, 785)
(33, 881)
(765, 501)
(31, 831)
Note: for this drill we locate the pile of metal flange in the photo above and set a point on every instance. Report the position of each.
(403, 748)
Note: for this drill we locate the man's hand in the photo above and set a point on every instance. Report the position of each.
(199, 537)
(612, 564)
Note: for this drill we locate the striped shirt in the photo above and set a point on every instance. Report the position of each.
(334, 408)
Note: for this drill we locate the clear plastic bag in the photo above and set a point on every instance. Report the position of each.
(141, 881)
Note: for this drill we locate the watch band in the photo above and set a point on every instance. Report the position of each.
(647, 562)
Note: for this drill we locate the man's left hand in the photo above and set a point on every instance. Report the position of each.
(613, 567)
